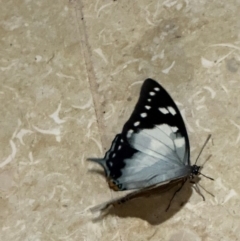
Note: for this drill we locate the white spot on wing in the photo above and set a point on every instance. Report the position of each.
(149, 100)
(179, 142)
(152, 93)
(166, 129)
(174, 129)
(171, 110)
(147, 107)
(136, 123)
(180, 147)
(113, 155)
(119, 148)
(129, 134)
(156, 89)
(143, 115)
(163, 110)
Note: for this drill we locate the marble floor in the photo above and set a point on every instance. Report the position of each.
(71, 72)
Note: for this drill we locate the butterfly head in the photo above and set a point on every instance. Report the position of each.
(195, 170)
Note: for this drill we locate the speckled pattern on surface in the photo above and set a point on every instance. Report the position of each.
(71, 72)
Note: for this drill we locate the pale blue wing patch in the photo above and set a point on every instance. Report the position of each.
(160, 142)
(143, 170)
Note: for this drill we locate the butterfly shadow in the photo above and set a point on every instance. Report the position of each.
(97, 171)
(151, 206)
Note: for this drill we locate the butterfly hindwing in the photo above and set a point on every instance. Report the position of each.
(114, 161)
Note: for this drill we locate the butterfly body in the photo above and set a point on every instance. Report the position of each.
(153, 147)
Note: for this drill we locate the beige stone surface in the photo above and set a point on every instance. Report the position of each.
(71, 72)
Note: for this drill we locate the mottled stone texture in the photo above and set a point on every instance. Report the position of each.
(71, 72)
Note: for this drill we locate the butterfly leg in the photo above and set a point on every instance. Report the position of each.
(175, 194)
(196, 187)
(206, 190)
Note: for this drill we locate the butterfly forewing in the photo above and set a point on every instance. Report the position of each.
(157, 119)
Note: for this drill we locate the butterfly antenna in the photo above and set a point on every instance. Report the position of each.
(206, 160)
(206, 176)
(205, 143)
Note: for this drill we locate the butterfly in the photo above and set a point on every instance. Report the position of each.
(152, 150)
